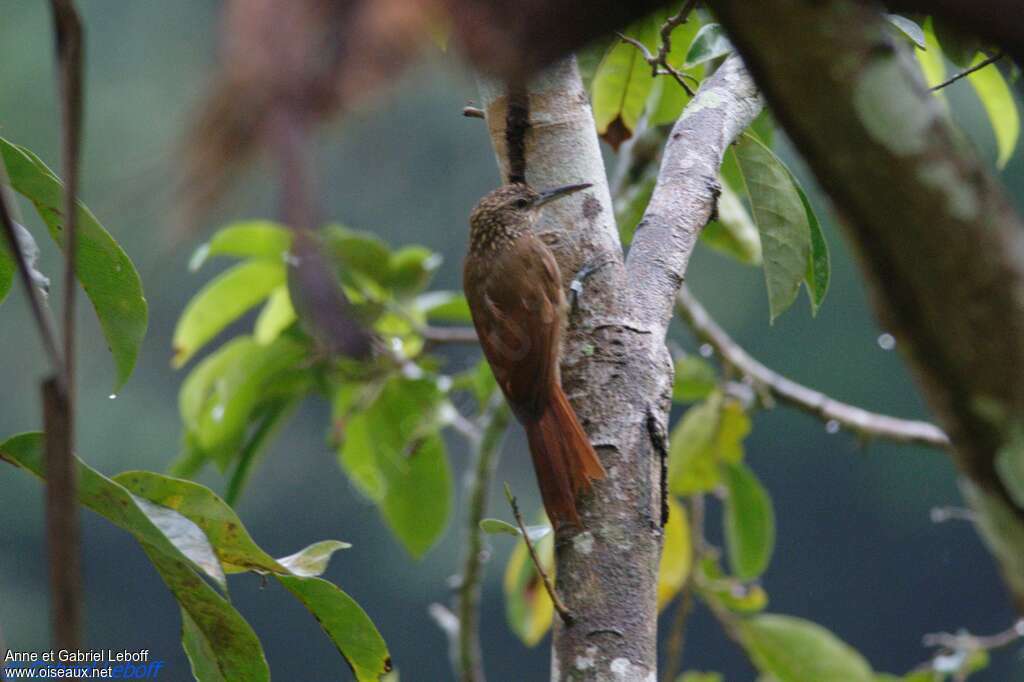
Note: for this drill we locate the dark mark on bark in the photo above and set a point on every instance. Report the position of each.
(716, 192)
(591, 207)
(660, 442)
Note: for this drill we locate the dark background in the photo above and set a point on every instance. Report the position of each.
(856, 549)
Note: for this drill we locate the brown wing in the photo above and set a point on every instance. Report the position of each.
(516, 302)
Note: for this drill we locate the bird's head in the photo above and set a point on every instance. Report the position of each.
(505, 213)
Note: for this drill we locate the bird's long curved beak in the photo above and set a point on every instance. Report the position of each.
(549, 195)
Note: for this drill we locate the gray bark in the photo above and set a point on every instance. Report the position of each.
(936, 233)
(616, 369)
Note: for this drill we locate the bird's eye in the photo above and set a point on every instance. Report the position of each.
(521, 203)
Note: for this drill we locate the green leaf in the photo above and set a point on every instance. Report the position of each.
(819, 266)
(695, 379)
(733, 427)
(410, 269)
(909, 28)
(102, 267)
(395, 456)
(931, 60)
(312, 561)
(709, 43)
(345, 623)
(499, 527)
(221, 302)
(726, 591)
(157, 528)
(622, 85)
(361, 252)
(217, 640)
(250, 239)
(276, 316)
(220, 395)
(692, 465)
(781, 220)
(235, 549)
(676, 554)
(749, 522)
(1010, 464)
(996, 98)
(528, 608)
(444, 306)
(630, 207)
(797, 650)
(733, 232)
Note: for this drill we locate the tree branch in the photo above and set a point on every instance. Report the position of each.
(850, 417)
(687, 188)
(495, 423)
(659, 62)
(967, 72)
(949, 282)
(549, 587)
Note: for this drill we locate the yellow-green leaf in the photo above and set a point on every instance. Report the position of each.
(221, 302)
(528, 607)
(797, 650)
(749, 522)
(249, 239)
(932, 62)
(276, 316)
(692, 464)
(676, 555)
(995, 96)
(622, 84)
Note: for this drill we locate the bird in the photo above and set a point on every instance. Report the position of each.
(514, 289)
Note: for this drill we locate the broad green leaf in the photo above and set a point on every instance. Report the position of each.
(249, 239)
(733, 427)
(220, 395)
(692, 465)
(733, 232)
(622, 85)
(676, 554)
(909, 28)
(709, 43)
(201, 656)
(749, 522)
(361, 252)
(444, 306)
(393, 453)
(819, 266)
(797, 650)
(276, 316)
(345, 623)
(221, 302)
(781, 220)
(115, 503)
(231, 541)
(995, 96)
(932, 62)
(102, 267)
(695, 379)
(187, 537)
(528, 607)
(410, 269)
(215, 636)
(312, 561)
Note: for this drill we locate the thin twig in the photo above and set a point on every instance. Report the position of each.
(560, 607)
(659, 62)
(472, 112)
(831, 411)
(968, 71)
(59, 391)
(494, 423)
(965, 641)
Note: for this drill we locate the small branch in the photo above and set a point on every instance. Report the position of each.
(563, 612)
(442, 335)
(967, 72)
(494, 424)
(814, 402)
(965, 641)
(59, 391)
(473, 112)
(659, 62)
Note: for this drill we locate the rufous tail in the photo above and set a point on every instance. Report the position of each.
(563, 458)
